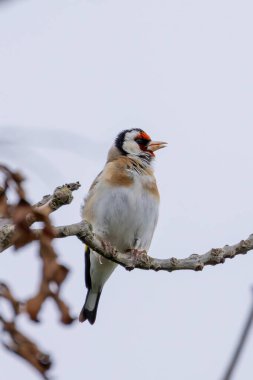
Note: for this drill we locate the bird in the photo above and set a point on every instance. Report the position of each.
(122, 207)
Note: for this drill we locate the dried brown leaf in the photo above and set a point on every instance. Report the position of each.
(4, 210)
(66, 318)
(33, 305)
(6, 293)
(25, 348)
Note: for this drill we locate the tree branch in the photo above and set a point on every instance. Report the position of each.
(61, 196)
(240, 345)
(83, 231)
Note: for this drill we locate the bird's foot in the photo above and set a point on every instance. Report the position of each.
(108, 247)
(140, 256)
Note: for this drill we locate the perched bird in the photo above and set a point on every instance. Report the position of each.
(122, 207)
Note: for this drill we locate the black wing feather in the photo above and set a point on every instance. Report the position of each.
(87, 268)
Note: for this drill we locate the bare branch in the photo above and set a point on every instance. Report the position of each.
(6, 235)
(83, 231)
(240, 345)
(61, 196)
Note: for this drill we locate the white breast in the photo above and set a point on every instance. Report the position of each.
(125, 216)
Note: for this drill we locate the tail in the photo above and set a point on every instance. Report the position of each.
(96, 274)
(89, 310)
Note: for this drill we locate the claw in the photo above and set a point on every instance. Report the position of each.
(139, 255)
(108, 247)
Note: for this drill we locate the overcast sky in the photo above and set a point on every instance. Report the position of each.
(73, 74)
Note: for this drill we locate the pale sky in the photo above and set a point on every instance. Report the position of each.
(73, 74)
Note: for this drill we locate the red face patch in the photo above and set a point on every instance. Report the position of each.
(144, 135)
(143, 140)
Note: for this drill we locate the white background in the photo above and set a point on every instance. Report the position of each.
(73, 74)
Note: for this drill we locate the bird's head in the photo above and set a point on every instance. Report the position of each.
(136, 142)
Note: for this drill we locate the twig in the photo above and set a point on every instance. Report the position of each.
(240, 345)
(83, 231)
(61, 196)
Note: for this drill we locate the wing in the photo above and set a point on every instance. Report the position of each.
(87, 267)
(90, 193)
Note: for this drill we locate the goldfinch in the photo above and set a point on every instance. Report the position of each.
(122, 207)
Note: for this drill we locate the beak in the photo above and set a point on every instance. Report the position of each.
(155, 145)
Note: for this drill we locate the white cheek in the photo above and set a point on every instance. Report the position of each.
(131, 147)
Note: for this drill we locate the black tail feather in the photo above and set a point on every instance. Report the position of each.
(87, 267)
(89, 314)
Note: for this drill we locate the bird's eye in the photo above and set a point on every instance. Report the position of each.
(144, 142)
